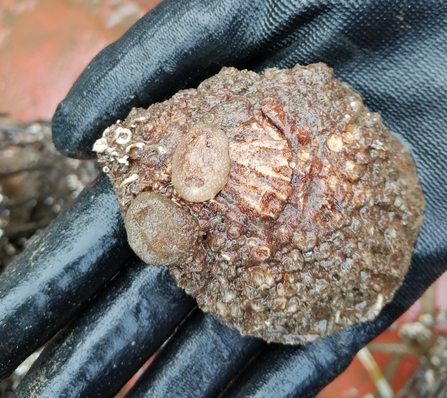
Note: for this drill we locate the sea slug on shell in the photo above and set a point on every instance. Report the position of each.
(201, 164)
(276, 200)
(161, 232)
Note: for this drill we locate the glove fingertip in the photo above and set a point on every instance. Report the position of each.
(68, 137)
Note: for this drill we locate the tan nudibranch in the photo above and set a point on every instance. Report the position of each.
(201, 164)
(276, 200)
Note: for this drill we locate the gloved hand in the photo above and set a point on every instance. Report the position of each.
(392, 52)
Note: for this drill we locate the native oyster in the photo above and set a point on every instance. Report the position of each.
(276, 200)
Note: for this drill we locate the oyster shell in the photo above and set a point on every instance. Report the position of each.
(312, 226)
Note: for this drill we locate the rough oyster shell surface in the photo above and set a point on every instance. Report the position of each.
(314, 227)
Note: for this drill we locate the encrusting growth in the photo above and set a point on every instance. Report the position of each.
(277, 200)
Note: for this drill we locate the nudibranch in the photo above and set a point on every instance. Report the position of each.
(277, 200)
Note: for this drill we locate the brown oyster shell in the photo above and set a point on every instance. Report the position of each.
(315, 228)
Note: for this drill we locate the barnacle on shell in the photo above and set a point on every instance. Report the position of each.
(276, 200)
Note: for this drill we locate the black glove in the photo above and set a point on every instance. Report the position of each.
(394, 53)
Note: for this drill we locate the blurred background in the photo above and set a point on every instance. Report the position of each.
(44, 46)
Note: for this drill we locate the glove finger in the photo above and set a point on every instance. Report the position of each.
(59, 272)
(199, 361)
(102, 349)
(95, 332)
(174, 46)
(281, 371)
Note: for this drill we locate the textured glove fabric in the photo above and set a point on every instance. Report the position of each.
(394, 53)
(59, 272)
(122, 328)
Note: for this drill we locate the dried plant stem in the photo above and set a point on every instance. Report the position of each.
(382, 385)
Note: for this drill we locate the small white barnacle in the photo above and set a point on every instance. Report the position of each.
(100, 146)
(105, 169)
(123, 160)
(334, 143)
(161, 150)
(123, 135)
(139, 120)
(129, 179)
(378, 145)
(130, 147)
(226, 257)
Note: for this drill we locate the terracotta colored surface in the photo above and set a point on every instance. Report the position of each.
(45, 45)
